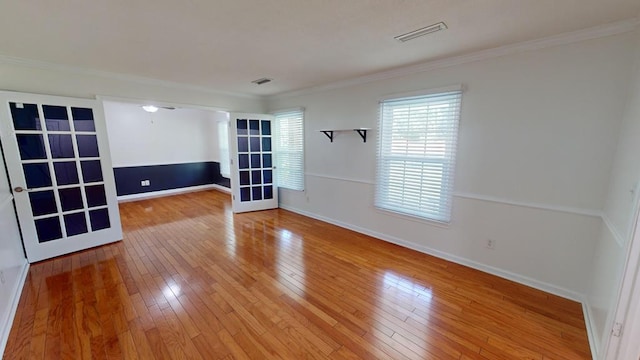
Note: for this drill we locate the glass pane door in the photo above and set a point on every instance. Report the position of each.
(252, 169)
(59, 165)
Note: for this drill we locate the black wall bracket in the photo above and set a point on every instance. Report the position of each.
(363, 134)
(329, 134)
(361, 131)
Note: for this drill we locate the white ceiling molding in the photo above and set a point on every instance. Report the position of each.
(42, 65)
(556, 40)
(596, 32)
(159, 103)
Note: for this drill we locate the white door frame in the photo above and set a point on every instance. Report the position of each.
(627, 306)
(238, 205)
(37, 251)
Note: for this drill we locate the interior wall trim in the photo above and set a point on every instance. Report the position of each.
(589, 319)
(549, 207)
(5, 328)
(43, 65)
(163, 163)
(620, 240)
(487, 198)
(560, 39)
(330, 177)
(137, 101)
(540, 285)
(6, 200)
(596, 32)
(162, 193)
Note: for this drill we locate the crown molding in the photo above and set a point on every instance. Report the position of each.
(596, 32)
(140, 101)
(555, 40)
(43, 65)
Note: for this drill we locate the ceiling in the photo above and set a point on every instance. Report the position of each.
(225, 44)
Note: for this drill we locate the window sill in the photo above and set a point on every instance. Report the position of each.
(436, 223)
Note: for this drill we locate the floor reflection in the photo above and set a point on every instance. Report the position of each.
(230, 235)
(171, 291)
(290, 260)
(395, 283)
(403, 298)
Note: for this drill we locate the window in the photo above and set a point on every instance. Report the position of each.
(289, 145)
(223, 141)
(416, 154)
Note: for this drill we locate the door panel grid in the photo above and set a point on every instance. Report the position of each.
(254, 159)
(252, 175)
(58, 140)
(59, 165)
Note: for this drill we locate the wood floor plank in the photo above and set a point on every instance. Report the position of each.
(158, 345)
(140, 340)
(192, 280)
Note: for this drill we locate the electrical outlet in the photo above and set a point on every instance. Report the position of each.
(142, 182)
(491, 244)
(2, 280)
(147, 183)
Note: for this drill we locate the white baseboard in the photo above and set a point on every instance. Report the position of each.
(156, 194)
(540, 285)
(17, 291)
(594, 343)
(224, 189)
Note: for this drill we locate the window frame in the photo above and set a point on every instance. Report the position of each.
(223, 148)
(384, 161)
(279, 151)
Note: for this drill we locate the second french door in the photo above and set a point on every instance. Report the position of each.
(253, 169)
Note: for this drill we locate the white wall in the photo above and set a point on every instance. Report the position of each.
(612, 244)
(12, 259)
(625, 173)
(137, 137)
(538, 132)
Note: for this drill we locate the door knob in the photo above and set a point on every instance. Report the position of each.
(20, 189)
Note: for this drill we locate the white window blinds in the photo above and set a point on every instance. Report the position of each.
(290, 149)
(416, 154)
(223, 141)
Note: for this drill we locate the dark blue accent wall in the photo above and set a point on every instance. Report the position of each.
(167, 177)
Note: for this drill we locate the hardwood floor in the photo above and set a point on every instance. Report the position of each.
(191, 280)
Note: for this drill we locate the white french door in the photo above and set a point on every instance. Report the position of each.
(57, 155)
(252, 165)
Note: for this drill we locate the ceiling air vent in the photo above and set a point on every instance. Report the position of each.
(261, 81)
(421, 32)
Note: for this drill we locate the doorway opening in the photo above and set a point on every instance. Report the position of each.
(166, 149)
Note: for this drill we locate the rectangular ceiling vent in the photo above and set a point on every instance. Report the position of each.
(261, 81)
(421, 32)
